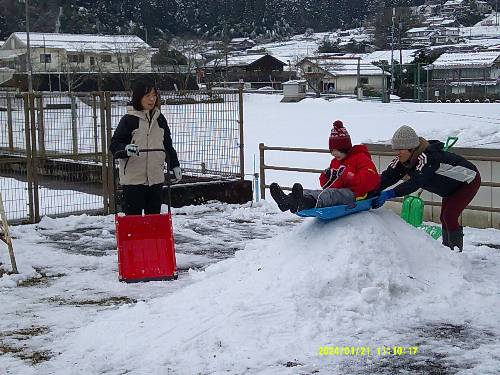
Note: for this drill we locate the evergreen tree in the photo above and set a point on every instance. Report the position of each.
(215, 19)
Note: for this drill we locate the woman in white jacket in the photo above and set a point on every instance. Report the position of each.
(142, 174)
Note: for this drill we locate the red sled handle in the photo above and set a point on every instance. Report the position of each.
(169, 185)
(169, 188)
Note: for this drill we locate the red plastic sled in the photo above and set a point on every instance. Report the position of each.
(145, 247)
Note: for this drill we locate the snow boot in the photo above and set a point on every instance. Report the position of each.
(285, 202)
(446, 237)
(303, 202)
(456, 238)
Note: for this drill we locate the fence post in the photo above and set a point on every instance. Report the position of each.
(96, 129)
(36, 199)
(104, 154)
(29, 165)
(111, 162)
(242, 150)
(262, 172)
(41, 128)
(74, 128)
(9, 123)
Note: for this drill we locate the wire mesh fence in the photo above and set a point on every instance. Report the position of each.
(51, 146)
(205, 127)
(13, 161)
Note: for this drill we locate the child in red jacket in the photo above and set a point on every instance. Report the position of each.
(351, 176)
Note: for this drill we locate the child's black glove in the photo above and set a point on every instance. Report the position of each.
(334, 173)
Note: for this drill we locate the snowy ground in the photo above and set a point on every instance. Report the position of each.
(368, 280)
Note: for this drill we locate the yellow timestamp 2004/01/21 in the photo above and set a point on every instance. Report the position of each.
(367, 350)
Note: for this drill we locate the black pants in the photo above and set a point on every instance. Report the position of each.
(142, 197)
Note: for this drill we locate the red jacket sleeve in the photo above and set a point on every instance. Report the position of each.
(361, 176)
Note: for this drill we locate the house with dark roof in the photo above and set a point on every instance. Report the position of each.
(474, 74)
(247, 68)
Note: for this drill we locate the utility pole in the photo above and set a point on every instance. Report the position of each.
(392, 50)
(400, 28)
(28, 52)
(496, 12)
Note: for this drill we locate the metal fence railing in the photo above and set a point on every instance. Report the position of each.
(206, 126)
(484, 210)
(51, 146)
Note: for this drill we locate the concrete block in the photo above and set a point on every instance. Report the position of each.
(483, 197)
(495, 197)
(485, 169)
(476, 219)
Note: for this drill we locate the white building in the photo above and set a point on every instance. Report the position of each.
(340, 75)
(294, 90)
(51, 52)
(461, 6)
(431, 36)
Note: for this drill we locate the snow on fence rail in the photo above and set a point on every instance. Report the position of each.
(483, 212)
(53, 146)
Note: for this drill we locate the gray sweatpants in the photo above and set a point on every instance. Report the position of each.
(331, 197)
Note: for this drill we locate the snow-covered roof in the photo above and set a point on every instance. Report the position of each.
(448, 21)
(295, 82)
(237, 60)
(240, 40)
(466, 60)
(408, 55)
(490, 19)
(84, 42)
(472, 83)
(340, 67)
(453, 3)
(419, 30)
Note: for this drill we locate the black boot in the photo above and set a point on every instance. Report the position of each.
(285, 202)
(456, 238)
(446, 237)
(303, 202)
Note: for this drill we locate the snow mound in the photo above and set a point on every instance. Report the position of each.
(279, 300)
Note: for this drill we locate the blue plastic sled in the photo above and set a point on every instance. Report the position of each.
(334, 212)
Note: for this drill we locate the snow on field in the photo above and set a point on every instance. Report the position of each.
(308, 124)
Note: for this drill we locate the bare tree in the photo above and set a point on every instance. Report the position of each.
(73, 70)
(130, 58)
(315, 71)
(213, 70)
(191, 50)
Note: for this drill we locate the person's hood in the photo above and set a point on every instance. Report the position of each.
(142, 114)
(423, 146)
(358, 149)
(435, 145)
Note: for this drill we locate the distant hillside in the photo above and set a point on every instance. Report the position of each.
(269, 19)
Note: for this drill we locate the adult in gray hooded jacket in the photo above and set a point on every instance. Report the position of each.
(142, 174)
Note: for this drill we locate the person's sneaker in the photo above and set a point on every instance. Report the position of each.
(301, 202)
(279, 197)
